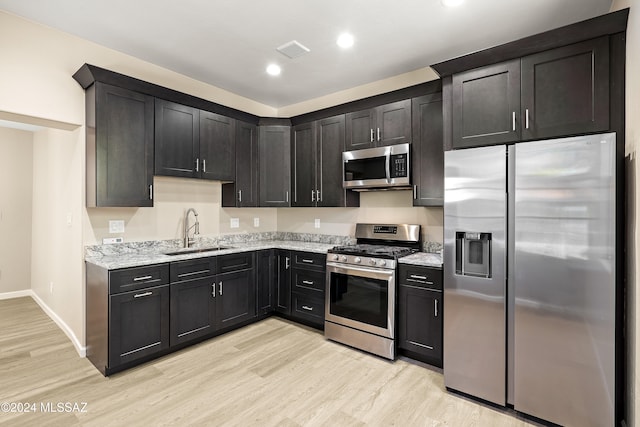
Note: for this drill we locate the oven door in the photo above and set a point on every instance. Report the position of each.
(361, 298)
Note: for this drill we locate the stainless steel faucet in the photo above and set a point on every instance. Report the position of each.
(187, 240)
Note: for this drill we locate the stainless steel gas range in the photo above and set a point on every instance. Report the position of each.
(361, 287)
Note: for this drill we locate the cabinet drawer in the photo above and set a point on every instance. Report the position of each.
(421, 277)
(235, 262)
(309, 260)
(131, 279)
(309, 282)
(307, 307)
(193, 269)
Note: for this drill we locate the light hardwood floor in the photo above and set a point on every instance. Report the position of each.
(270, 373)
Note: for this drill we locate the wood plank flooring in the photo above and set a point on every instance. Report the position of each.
(270, 373)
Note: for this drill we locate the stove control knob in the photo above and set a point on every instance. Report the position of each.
(357, 260)
(372, 261)
(336, 257)
(343, 258)
(382, 263)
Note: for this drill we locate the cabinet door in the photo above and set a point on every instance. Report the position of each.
(177, 140)
(236, 299)
(303, 165)
(359, 130)
(120, 153)
(427, 161)
(192, 309)
(393, 123)
(275, 165)
(420, 314)
(138, 324)
(486, 105)
(283, 288)
(217, 147)
(265, 280)
(565, 91)
(330, 142)
(245, 191)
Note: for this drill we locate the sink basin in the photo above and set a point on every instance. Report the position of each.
(196, 250)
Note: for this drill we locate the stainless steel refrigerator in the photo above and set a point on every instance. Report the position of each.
(530, 277)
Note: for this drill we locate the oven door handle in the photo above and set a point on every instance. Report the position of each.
(341, 268)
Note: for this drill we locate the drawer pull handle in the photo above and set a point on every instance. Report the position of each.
(426, 282)
(137, 279)
(306, 307)
(146, 294)
(193, 273)
(308, 261)
(415, 276)
(307, 282)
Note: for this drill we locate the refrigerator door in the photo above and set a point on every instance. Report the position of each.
(564, 274)
(474, 272)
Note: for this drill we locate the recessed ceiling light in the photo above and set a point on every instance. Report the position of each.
(345, 40)
(273, 69)
(452, 3)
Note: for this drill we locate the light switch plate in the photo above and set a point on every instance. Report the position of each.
(116, 226)
(317, 223)
(256, 222)
(235, 222)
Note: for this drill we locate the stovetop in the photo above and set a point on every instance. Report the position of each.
(377, 251)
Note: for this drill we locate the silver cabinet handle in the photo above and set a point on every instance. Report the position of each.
(513, 120)
(137, 279)
(198, 164)
(371, 135)
(435, 307)
(146, 294)
(318, 198)
(307, 282)
(287, 263)
(378, 134)
(415, 276)
(415, 192)
(220, 285)
(306, 307)
(286, 196)
(308, 261)
(204, 165)
(240, 195)
(151, 192)
(526, 118)
(213, 289)
(313, 195)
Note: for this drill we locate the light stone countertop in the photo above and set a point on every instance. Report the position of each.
(423, 259)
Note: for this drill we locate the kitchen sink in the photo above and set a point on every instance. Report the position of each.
(197, 250)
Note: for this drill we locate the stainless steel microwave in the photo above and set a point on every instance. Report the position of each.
(377, 168)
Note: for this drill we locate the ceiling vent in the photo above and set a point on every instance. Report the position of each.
(293, 49)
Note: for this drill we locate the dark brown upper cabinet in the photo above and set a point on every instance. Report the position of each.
(243, 192)
(486, 105)
(274, 153)
(427, 161)
(565, 91)
(387, 124)
(316, 164)
(119, 157)
(558, 92)
(192, 143)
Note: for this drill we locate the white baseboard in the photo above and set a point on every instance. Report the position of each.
(82, 350)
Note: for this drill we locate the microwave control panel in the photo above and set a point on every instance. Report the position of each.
(398, 165)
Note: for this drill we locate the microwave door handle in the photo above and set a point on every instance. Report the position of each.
(387, 165)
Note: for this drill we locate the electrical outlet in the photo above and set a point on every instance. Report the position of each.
(69, 219)
(51, 287)
(256, 222)
(112, 240)
(317, 223)
(235, 223)
(116, 226)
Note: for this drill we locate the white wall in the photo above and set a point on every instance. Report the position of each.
(16, 159)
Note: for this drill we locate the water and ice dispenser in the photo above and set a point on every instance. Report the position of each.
(473, 254)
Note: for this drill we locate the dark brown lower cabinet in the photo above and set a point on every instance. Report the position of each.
(420, 313)
(308, 288)
(193, 309)
(236, 299)
(266, 276)
(283, 282)
(138, 324)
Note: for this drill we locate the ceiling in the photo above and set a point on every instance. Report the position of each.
(228, 43)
